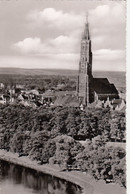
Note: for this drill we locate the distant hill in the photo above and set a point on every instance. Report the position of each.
(17, 71)
(118, 78)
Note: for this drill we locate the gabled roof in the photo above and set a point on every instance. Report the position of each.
(67, 100)
(102, 86)
(48, 93)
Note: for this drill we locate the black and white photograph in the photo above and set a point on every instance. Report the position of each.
(63, 97)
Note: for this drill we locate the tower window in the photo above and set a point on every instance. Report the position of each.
(83, 58)
(83, 47)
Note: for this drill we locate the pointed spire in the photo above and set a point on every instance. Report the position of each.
(86, 30)
(87, 18)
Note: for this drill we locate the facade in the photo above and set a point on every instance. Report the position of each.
(90, 89)
(85, 67)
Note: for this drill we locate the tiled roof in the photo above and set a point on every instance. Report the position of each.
(48, 93)
(67, 100)
(102, 86)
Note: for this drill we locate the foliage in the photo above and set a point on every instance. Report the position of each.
(53, 134)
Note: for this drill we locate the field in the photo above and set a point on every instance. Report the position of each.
(118, 78)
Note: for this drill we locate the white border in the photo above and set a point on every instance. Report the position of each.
(128, 92)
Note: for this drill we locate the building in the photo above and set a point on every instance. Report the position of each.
(2, 86)
(85, 68)
(90, 89)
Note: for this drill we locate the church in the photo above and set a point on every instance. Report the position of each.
(90, 89)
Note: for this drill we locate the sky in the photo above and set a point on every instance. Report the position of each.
(47, 33)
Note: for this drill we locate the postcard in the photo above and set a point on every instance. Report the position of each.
(63, 97)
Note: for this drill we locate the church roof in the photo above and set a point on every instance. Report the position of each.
(67, 100)
(48, 93)
(102, 86)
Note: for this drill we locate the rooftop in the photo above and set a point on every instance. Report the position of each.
(102, 86)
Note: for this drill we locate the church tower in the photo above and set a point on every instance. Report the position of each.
(85, 67)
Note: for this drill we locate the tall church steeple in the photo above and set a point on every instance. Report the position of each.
(86, 34)
(85, 66)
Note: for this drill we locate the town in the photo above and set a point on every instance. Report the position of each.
(76, 122)
(51, 97)
(83, 91)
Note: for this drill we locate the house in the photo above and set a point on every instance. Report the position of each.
(2, 86)
(2, 100)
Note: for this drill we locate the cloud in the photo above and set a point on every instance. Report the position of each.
(60, 44)
(54, 61)
(51, 18)
(108, 54)
(107, 24)
(108, 15)
(60, 35)
(28, 45)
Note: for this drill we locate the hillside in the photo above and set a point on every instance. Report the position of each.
(118, 78)
(17, 71)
